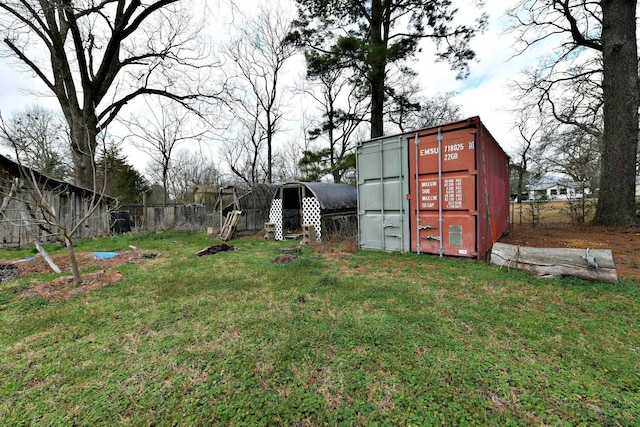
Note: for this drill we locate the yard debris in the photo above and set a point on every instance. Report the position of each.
(229, 226)
(62, 288)
(105, 255)
(212, 250)
(37, 265)
(8, 271)
(283, 259)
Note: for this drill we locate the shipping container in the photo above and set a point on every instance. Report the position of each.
(441, 190)
(383, 167)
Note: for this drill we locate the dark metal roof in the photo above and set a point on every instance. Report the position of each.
(19, 170)
(256, 196)
(331, 196)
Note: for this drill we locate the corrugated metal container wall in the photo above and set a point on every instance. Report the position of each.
(457, 183)
(459, 190)
(382, 167)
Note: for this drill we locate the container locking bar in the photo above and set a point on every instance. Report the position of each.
(432, 237)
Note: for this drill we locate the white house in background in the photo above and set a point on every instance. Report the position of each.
(558, 190)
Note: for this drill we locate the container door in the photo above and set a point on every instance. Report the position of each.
(382, 206)
(443, 191)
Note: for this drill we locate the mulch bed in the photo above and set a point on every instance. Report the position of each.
(62, 288)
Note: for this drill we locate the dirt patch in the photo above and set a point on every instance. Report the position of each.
(623, 242)
(283, 259)
(61, 288)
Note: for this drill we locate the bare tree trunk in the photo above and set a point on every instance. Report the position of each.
(83, 147)
(77, 279)
(616, 201)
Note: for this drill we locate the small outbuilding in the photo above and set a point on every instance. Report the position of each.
(22, 219)
(330, 208)
(254, 201)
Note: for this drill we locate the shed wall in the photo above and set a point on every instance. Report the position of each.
(15, 232)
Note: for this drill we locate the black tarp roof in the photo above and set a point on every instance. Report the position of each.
(330, 195)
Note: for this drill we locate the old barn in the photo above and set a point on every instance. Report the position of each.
(22, 219)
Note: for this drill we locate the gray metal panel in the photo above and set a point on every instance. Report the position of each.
(383, 216)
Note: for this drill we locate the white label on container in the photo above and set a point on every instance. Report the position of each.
(462, 252)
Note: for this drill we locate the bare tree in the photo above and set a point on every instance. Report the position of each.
(37, 196)
(159, 135)
(573, 153)
(596, 54)
(244, 152)
(415, 112)
(343, 110)
(100, 56)
(39, 138)
(285, 162)
(190, 169)
(530, 130)
(259, 54)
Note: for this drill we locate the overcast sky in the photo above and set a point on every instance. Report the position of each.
(485, 93)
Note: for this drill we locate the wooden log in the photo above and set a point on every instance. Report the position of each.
(588, 264)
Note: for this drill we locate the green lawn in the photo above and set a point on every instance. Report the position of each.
(330, 339)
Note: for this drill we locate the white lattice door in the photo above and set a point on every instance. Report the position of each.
(275, 216)
(311, 214)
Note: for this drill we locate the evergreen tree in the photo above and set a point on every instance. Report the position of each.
(123, 181)
(368, 37)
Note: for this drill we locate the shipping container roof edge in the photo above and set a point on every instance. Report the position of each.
(464, 122)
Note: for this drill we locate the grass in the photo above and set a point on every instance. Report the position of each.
(330, 339)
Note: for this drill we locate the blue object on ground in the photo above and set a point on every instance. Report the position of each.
(105, 255)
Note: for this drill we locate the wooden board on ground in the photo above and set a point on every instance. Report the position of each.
(592, 264)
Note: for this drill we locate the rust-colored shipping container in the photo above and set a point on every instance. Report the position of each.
(458, 190)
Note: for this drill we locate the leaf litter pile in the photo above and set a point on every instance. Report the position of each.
(61, 288)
